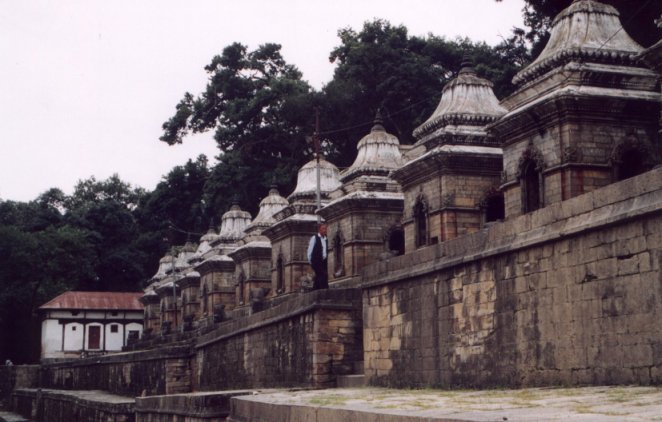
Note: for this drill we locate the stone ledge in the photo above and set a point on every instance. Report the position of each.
(114, 406)
(389, 405)
(172, 352)
(212, 404)
(613, 204)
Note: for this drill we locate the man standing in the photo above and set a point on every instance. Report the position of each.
(317, 257)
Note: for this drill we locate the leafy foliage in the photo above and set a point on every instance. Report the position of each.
(260, 110)
(86, 241)
(382, 67)
(175, 207)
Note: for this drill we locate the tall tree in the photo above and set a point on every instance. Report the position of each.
(383, 67)
(105, 209)
(259, 108)
(173, 209)
(64, 259)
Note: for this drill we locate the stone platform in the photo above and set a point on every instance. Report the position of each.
(11, 417)
(386, 405)
(72, 405)
(192, 407)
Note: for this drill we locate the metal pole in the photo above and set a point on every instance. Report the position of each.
(174, 294)
(317, 156)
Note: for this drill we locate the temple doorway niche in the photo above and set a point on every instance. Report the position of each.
(493, 206)
(280, 274)
(421, 222)
(631, 160)
(395, 242)
(338, 255)
(205, 292)
(531, 186)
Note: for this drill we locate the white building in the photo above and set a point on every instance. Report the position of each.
(79, 323)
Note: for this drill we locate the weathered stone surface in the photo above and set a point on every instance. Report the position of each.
(193, 407)
(63, 406)
(573, 296)
(157, 371)
(307, 340)
(18, 376)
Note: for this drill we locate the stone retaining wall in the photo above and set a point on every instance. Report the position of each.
(67, 406)
(570, 294)
(305, 341)
(17, 376)
(153, 372)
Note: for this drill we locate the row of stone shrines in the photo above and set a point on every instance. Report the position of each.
(585, 114)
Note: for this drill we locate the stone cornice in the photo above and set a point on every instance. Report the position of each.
(189, 281)
(438, 162)
(150, 299)
(588, 104)
(291, 227)
(363, 202)
(453, 119)
(211, 265)
(252, 250)
(165, 290)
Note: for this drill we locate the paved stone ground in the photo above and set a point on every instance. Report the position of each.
(616, 403)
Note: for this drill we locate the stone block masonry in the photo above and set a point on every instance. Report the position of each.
(192, 407)
(152, 372)
(58, 405)
(305, 341)
(18, 376)
(570, 294)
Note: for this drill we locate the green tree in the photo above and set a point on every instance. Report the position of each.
(105, 210)
(260, 110)
(34, 268)
(175, 208)
(383, 67)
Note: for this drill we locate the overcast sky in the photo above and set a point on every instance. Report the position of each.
(85, 85)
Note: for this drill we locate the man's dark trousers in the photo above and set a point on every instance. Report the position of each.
(319, 266)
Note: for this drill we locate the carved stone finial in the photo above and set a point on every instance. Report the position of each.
(235, 202)
(467, 64)
(273, 188)
(378, 124)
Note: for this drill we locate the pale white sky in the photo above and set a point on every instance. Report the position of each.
(86, 84)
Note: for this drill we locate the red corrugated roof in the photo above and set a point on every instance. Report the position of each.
(96, 300)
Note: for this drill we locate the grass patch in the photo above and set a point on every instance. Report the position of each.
(582, 408)
(330, 400)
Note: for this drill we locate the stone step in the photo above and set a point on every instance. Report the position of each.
(201, 406)
(350, 381)
(46, 405)
(11, 417)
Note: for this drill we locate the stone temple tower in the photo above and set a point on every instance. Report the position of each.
(584, 114)
(364, 216)
(253, 256)
(451, 180)
(296, 223)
